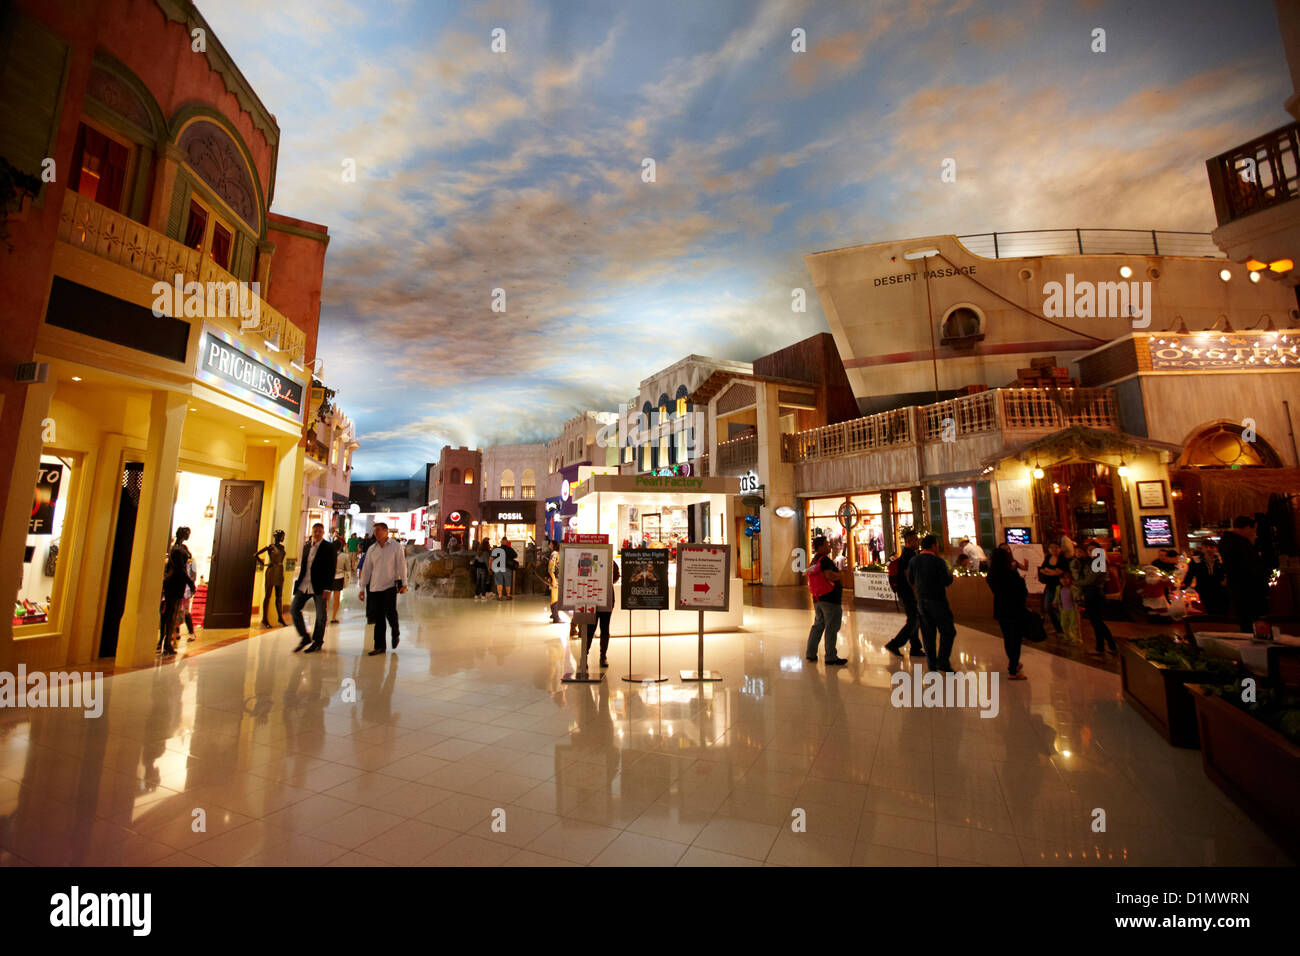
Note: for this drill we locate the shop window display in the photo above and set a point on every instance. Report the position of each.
(41, 561)
(959, 504)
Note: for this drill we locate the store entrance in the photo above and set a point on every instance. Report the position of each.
(233, 549)
(119, 570)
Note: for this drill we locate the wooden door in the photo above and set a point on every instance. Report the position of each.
(234, 544)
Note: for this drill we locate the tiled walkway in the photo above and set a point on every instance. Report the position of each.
(465, 748)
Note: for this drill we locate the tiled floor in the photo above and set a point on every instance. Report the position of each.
(464, 748)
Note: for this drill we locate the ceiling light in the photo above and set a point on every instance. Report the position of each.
(76, 378)
(1225, 275)
(1038, 472)
(1254, 277)
(1125, 271)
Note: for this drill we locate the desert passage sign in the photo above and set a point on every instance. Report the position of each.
(703, 577)
(645, 579)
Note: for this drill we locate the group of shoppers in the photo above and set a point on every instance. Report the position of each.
(324, 568)
(491, 567)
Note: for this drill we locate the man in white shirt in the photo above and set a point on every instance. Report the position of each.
(978, 559)
(315, 578)
(382, 578)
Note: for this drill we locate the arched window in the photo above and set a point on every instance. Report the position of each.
(527, 484)
(469, 476)
(455, 476)
(1223, 445)
(507, 484)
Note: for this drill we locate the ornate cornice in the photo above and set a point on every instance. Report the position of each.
(184, 11)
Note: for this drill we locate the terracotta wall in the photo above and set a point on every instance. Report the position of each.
(296, 273)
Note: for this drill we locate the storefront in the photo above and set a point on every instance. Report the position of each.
(617, 505)
(134, 444)
(514, 520)
(876, 520)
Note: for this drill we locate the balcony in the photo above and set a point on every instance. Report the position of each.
(85, 224)
(1255, 176)
(738, 454)
(1000, 410)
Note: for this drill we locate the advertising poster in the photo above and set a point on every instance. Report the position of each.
(48, 482)
(1030, 555)
(1157, 531)
(585, 577)
(645, 579)
(703, 577)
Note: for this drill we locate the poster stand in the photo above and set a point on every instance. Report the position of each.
(659, 676)
(700, 674)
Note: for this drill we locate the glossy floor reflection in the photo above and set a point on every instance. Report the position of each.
(464, 748)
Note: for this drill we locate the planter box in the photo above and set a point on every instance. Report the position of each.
(1254, 764)
(1159, 694)
(970, 597)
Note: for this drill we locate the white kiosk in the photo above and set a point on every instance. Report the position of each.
(641, 508)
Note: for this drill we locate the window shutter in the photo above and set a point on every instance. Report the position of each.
(935, 495)
(984, 514)
(33, 64)
(241, 263)
(179, 213)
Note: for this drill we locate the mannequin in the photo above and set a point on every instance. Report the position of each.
(274, 578)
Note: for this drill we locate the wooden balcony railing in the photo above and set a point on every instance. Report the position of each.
(97, 229)
(1255, 175)
(1001, 409)
(737, 453)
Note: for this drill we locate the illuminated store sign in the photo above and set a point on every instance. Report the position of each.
(1211, 351)
(227, 366)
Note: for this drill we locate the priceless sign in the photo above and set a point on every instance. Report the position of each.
(644, 579)
(226, 365)
(703, 577)
(585, 577)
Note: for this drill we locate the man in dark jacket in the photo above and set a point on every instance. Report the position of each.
(315, 581)
(907, 634)
(1246, 572)
(1089, 571)
(930, 576)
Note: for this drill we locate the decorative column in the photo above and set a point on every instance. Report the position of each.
(170, 158)
(138, 635)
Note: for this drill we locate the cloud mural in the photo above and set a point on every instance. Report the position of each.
(522, 170)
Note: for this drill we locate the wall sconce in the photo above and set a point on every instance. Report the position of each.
(1123, 468)
(209, 511)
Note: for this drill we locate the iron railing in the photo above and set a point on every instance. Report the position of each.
(1091, 242)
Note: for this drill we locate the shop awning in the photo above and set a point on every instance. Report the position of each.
(1087, 444)
(1227, 492)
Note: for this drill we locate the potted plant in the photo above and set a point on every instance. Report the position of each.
(1251, 750)
(1154, 672)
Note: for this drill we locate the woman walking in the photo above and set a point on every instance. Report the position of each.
(1009, 593)
(1050, 572)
